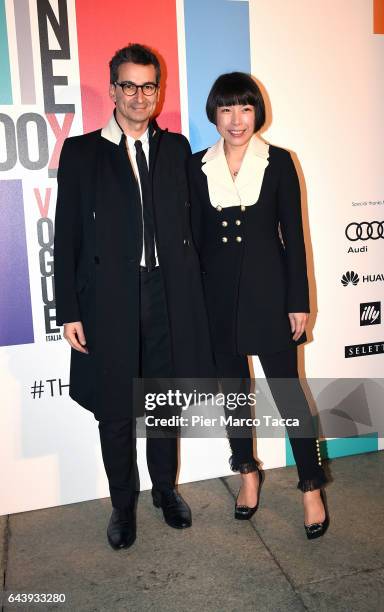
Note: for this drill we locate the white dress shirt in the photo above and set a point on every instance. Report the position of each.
(132, 156)
(112, 132)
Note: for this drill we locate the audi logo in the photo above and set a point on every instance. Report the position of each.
(367, 230)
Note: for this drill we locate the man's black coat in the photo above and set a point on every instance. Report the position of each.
(98, 247)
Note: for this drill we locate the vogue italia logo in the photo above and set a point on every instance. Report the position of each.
(352, 278)
(366, 230)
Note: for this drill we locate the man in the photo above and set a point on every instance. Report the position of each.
(127, 279)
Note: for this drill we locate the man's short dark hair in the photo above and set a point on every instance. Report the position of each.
(137, 54)
(236, 88)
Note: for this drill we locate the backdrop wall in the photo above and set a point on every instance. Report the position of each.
(320, 66)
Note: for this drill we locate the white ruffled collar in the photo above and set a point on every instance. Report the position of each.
(245, 190)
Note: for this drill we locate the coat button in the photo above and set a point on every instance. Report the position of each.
(96, 259)
(224, 239)
(238, 222)
(186, 242)
(219, 208)
(238, 238)
(224, 223)
(242, 208)
(187, 204)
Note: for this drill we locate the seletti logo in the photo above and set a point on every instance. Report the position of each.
(363, 350)
(350, 278)
(366, 230)
(370, 313)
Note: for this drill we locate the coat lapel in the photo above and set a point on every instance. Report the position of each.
(118, 205)
(155, 134)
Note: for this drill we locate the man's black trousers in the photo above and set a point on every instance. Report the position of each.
(118, 438)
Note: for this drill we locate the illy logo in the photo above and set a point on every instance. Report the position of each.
(370, 313)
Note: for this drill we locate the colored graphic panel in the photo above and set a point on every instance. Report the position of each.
(341, 447)
(217, 41)
(16, 325)
(5, 73)
(24, 52)
(101, 30)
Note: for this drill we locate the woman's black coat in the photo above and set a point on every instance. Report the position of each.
(251, 285)
(98, 247)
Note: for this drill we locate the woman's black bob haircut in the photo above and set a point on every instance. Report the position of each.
(236, 88)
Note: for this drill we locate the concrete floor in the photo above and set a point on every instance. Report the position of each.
(220, 564)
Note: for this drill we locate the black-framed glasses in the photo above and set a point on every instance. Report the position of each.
(130, 89)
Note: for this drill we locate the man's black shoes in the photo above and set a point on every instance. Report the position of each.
(176, 512)
(121, 531)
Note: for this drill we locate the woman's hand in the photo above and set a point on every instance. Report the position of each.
(298, 321)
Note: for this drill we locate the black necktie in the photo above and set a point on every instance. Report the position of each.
(149, 232)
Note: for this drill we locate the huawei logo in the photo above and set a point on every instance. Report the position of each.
(349, 277)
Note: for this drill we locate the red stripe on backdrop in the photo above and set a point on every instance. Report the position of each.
(104, 27)
(378, 16)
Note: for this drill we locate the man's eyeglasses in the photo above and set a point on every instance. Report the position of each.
(130, 89)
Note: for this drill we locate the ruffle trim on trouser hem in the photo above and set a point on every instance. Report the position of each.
(312, 484)
(243, 467)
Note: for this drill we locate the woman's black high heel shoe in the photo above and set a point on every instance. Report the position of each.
(316, 530)
(244, 513)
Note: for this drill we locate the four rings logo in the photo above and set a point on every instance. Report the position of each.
(372, 230)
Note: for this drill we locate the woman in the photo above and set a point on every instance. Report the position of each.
(247, 227)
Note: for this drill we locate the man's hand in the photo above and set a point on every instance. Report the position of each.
(298, 321)
(74, 334)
